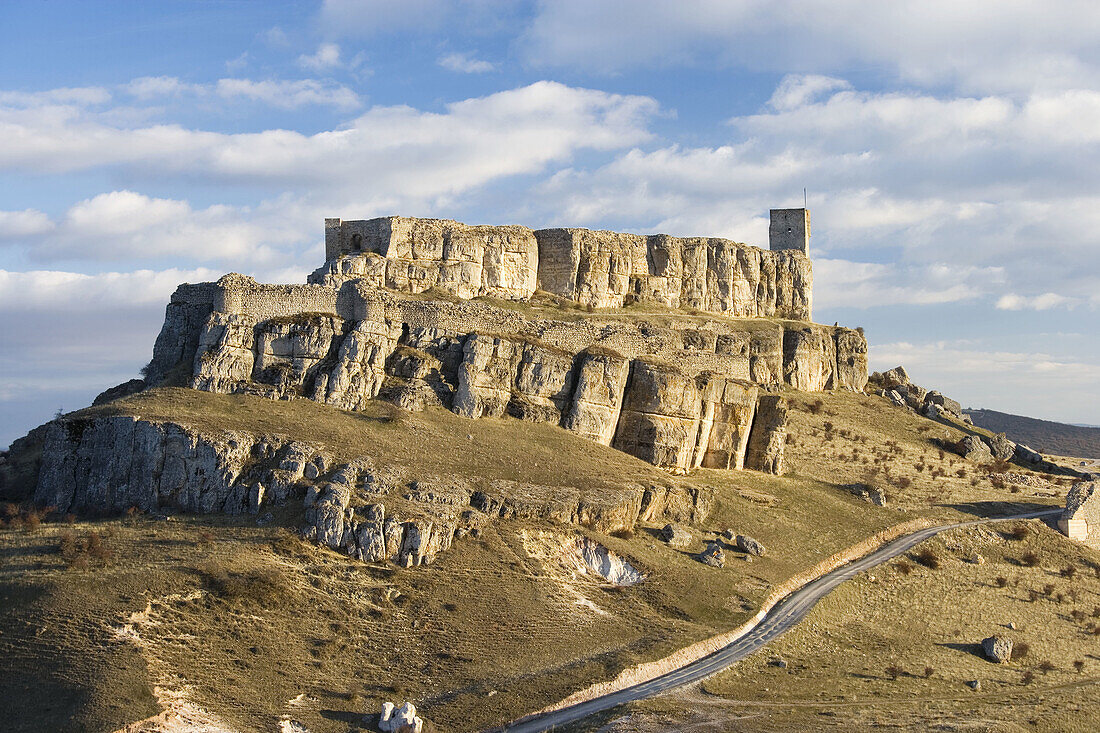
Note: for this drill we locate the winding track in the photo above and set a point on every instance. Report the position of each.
(782, 617)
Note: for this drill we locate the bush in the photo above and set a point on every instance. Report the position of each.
(1019, 532)
(903, 482)
(815, 407)
(928, 558)
(1069, 571)
(904, 568)
(928, 672)
(623, 534)
(1046, 666)
(894, 671)
(1001, 581)
(1048, 589)
(1020, 651)
(257, 584)
(1030, 559)
(81, 553)
(1079, 665)
(1028, 677)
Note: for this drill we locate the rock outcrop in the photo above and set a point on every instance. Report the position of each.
(365, 508)
(1080, 520)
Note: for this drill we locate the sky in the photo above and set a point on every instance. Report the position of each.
(950, 154)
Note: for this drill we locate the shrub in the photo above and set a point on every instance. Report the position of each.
(928, 558)
(1020, 651)
(81, 553)
(32, 521)
(904, 568)
(1079, 665)
(1019, 532)
(1096, 612)
(1001, 581)
(816, 406)
(1028, 677)
(1048, 589)
(257, 584)
(1046, 666)
(928, 672)
(1030, 559)
(961, 473)
(903, 482)
(894, 671)
(623, 534)
(1069, 571)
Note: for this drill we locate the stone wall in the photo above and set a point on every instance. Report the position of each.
(600, 269)
(677, 391)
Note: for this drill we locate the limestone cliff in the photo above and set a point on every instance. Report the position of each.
(366, 507)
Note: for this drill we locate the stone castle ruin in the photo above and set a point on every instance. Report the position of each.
(671, 349)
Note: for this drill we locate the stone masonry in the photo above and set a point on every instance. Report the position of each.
(403, 310)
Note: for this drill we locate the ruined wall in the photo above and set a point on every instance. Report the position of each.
(600, 269)
(413, 255)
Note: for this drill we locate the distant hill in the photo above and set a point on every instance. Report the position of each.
(1042, 435)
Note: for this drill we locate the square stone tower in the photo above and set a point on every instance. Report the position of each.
(790, 229)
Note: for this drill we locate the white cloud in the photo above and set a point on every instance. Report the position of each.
(473, 141)
(289, 94)
(60, 290)
(148, 87)
(980, 45)
(274, 36)
(1042, 302)
(465, 63)
(25, 223)
(798, 89)
(325, 58)
(77, 96)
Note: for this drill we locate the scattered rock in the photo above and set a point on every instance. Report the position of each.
(872, 494)
(403, 719)
(975, 685)
(1012, 625)
(676, 536)
(713, 555)
(949, 405)
(748, 545)
(997, 648)
(780, 662)
(977, 559)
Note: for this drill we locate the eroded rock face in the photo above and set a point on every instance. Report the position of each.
(769, 435)
(1080, 519)
(110, 464)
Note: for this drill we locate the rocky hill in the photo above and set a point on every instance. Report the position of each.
(1047, 436)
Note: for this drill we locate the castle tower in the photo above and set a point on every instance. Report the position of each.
(790, 229)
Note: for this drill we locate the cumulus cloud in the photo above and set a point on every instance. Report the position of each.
(473, 141)
(465, 63)
(981, 45)
(326, 58)
(26, 223)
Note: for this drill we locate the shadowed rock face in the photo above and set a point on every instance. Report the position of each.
(679, 395)
(109, 464)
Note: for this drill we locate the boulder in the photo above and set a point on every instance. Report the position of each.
(997, 649)
(949, 405)
(747, 544)
(400, 719)
(1001, 447)
(1028, 455)
(973, 448)
(894, 377)
(675, 535)
(713, 555)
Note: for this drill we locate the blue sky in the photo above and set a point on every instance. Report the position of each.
(951, 153)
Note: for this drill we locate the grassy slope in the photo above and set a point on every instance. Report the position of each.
(485, 617)
(1042, 435)
(838, 659)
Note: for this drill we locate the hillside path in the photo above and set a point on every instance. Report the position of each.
(781, 618)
